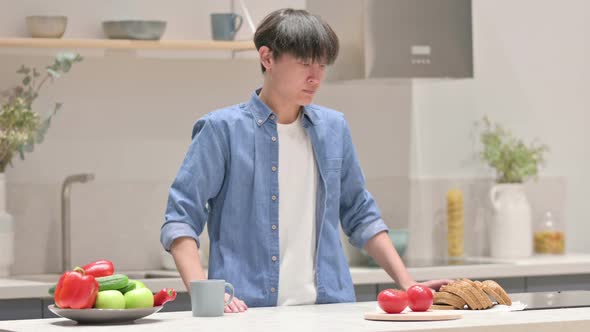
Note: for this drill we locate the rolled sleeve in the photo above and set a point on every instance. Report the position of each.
(359, 215)
(198, 181)
(366, 231)
(173, 231)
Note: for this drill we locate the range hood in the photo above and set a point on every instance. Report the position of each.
(399, 38)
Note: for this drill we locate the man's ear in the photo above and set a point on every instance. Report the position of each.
(265, 57)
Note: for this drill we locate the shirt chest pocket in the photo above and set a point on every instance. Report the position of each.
(332, 173)
(332, 165)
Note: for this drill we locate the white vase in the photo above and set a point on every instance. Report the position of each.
(511, 234)
(6, 232)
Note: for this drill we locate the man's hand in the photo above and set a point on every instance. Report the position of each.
(236, 305)
(435, 284)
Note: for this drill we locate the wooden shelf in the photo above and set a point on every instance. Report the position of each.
(206, 45)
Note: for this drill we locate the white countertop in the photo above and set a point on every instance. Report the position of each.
(328, 317)
(545, 265)
(21, 287)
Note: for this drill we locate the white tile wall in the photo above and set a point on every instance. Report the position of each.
(128, 120)
(428, 212)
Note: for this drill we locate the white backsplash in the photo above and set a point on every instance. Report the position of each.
(132, 132)
(428, 212)
(128, 120)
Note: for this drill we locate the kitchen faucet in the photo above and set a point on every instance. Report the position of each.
(65, 217)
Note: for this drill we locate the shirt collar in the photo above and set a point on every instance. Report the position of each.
(262, 112)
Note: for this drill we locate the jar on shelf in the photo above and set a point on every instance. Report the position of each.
(549, 236)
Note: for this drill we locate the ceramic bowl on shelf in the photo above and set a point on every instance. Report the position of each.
(47, 26)
(134, 29)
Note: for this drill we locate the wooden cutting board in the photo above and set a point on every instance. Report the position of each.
(413, 316)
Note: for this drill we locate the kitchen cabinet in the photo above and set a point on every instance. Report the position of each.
(558, 283)
(29, 308)
(182, 303)
(46, 313)
(519, 284)
(511, 285)
(20, 309)
(37, 308)
(365, 292)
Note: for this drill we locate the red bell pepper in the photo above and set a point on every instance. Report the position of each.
(163, 296)
(76, 290)
(100, 268)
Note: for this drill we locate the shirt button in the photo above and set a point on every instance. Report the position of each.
(273, 227)
(272, 290)
(259, 121)
(274, 258)
(272, 117)
(274, 139)
(274, 168)
(274, 198)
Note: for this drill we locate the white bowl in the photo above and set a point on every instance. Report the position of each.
(134, 29)
(47, 26)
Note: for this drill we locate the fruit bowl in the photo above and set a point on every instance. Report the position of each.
(103, 316)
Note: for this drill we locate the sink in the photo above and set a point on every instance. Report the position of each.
(54, 277)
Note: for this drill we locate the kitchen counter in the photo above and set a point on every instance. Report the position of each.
(328, 317)
(20, 287)
(542, 265)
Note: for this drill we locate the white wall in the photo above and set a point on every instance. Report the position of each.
(532, 75)
(128, 120)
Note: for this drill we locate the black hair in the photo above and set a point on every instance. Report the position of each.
(299, 33)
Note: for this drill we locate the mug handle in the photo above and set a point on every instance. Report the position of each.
(238, 20)
(231, 296)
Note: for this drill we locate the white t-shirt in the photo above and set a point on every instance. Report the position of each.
(298, 178)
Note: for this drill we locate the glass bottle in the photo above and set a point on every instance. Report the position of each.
(549, 237)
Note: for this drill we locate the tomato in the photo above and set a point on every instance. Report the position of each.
(392, 301)
(419, 298)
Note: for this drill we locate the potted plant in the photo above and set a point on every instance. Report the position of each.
(20, 129)
(514, 163)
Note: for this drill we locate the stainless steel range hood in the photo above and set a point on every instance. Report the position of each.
(399, 38)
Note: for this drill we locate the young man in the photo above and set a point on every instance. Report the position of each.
(280, 176)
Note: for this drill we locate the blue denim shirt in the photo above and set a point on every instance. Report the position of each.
(232, 164)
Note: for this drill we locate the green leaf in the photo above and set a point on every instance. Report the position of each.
(21, 127)
(512, 159)
(57, 107)
(42, 130)
(23, 70)
(66, 66)
(54, 74)
(66, 57)
(29, 147)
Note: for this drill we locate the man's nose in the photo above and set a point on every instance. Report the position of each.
(313, 80)
(315, 75)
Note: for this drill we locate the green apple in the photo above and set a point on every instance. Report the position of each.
(138, 284)
(110, 299)
(139, 298)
